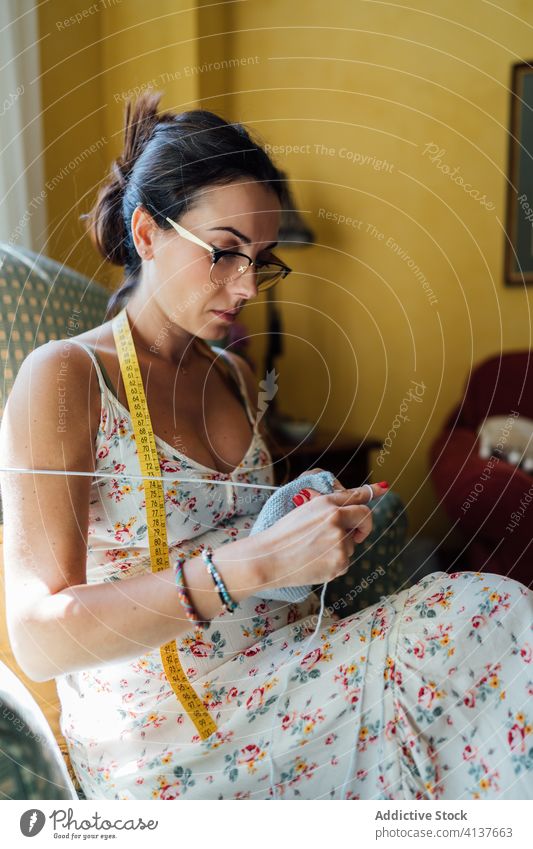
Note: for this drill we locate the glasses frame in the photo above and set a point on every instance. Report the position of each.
(217, 253)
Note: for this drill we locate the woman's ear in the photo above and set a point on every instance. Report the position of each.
(143, 230)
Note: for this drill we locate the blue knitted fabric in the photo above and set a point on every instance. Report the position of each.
(279, 503)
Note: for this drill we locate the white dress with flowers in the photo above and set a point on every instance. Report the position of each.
(425, 695)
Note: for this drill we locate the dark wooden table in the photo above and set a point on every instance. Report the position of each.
(346, 456)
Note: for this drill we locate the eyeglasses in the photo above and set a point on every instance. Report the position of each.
(228, 265)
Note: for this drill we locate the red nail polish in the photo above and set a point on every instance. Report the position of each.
(383, 484)
(306, 494)
(298, 499)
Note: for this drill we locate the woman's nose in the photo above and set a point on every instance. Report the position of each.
(246, 283)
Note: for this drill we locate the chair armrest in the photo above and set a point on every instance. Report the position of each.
(477, 491)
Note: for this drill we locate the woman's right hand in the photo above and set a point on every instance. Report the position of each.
(315, 542)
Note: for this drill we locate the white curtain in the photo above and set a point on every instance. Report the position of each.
(22, 190)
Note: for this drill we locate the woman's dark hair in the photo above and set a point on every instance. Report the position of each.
(167, 159)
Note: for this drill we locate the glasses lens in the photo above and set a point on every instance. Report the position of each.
(267, 275)
(228, 267)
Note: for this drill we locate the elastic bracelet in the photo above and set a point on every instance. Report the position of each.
(222, 590)
(183, 595)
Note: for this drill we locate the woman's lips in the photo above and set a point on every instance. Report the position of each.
(228, 316)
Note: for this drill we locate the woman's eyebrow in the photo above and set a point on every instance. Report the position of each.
(242, 236)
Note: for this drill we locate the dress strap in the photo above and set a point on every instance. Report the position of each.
(241, 382)
(103, 377)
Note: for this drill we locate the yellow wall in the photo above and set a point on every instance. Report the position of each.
(378, 82)
(75, 154)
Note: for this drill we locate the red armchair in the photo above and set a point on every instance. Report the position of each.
(481, 495)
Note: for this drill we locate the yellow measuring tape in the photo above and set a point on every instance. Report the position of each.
(155, 512)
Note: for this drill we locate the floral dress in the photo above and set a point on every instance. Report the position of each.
(424, 695)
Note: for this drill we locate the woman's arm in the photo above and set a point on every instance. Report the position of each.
(57, 622)
(87, 625)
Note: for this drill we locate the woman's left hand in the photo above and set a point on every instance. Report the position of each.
(359, 534)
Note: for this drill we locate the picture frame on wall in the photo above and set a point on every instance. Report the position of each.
(519, 213)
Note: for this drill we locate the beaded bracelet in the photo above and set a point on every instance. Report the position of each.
(183, 595)
(223, 593)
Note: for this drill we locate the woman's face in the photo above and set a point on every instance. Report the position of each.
(244, 216)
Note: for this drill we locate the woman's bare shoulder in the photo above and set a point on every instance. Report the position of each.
(56, 391)
(58, 360)
(65, 355)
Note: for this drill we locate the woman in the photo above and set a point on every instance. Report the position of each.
(425, 695)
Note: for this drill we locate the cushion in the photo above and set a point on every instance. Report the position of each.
(508, 437)
(31, 764)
